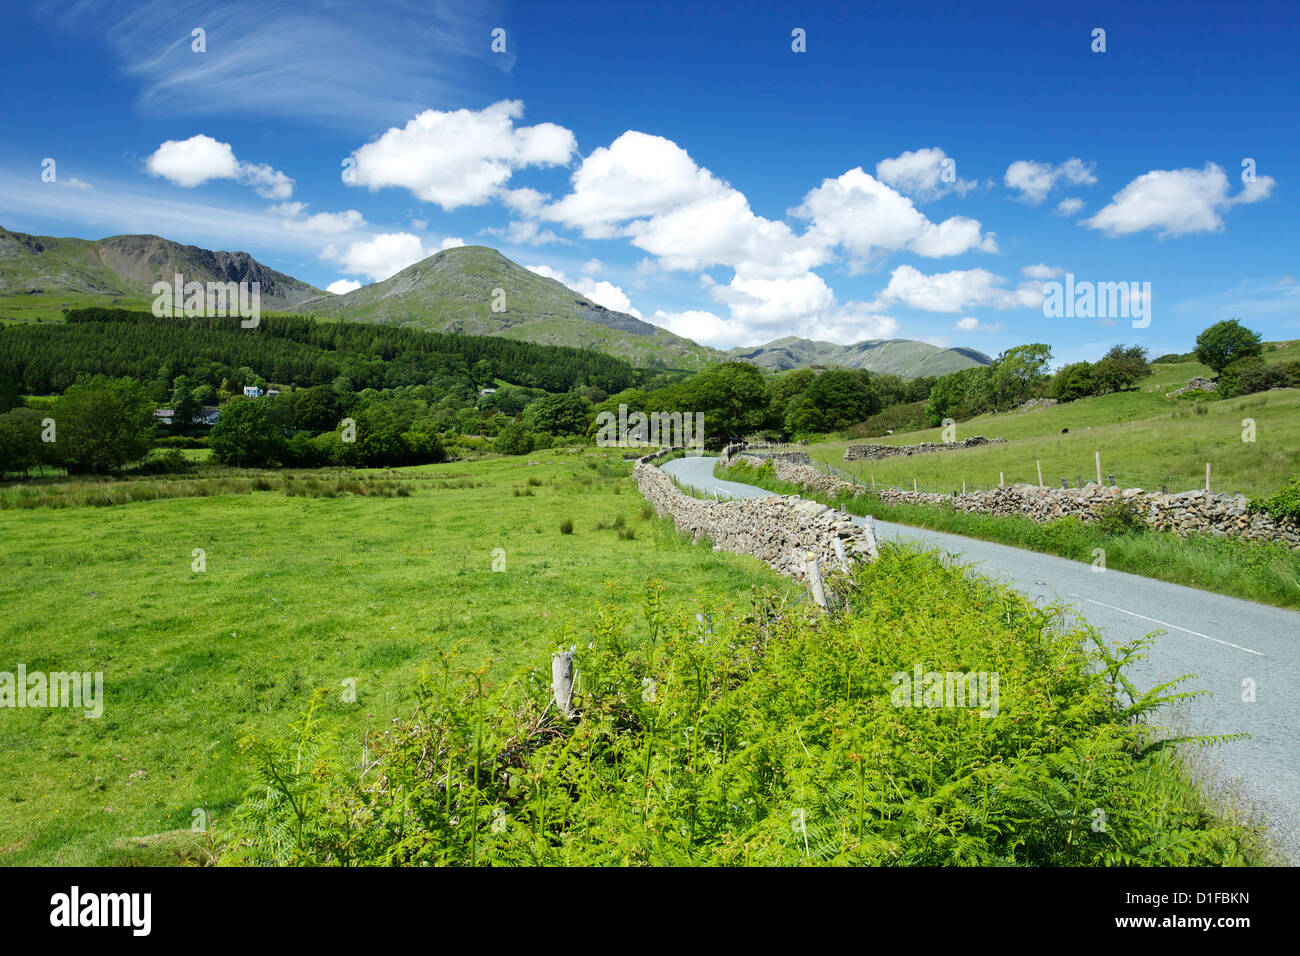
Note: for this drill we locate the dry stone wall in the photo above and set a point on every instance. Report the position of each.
(1182, 513)
(779, 531)
(873, 452)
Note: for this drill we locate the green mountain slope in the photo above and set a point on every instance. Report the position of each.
(891, 356)
(454, 291)
(120, 270)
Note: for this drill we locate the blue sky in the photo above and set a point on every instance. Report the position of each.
(916, 172)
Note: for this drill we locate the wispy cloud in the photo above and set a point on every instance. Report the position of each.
(338, 64)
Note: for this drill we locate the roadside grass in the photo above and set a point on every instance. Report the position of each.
(1255, 571)
(299, 593)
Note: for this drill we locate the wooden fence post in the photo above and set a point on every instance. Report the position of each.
(815, 580)
(1040, 474)
(914, 486)
(870, 529)
(1002, 478)
(1207, 477)
(1099, 467)
(839, 553)
(562, 678)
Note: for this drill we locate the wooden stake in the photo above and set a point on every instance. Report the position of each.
(1040, 474)
(815, 580)
(1207, 477)
(1098, 467)
(562, 671)
(914, 486)
(1001, 479)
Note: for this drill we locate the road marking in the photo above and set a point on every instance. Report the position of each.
(1167, 624)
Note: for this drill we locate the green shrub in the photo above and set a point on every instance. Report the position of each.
(1283, 503)
(566, 526)
(1120, 517)
(170, 462)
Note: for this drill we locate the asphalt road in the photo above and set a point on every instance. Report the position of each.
(1225, 641)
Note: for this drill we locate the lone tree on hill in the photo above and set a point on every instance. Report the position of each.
(1224, 342)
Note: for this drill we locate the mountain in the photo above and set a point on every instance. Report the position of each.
(454, 291)
(121, 270)
(889, 356)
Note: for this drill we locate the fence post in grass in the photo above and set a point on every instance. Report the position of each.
(815, 580)
(1098, 467)
(1002, 478)
(839, 553)
(870, 534)
(1040, 474)
(963, 486)
(562, 671)
(1207, 477)
(914, 486)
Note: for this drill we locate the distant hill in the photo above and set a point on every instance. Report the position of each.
(120, 270)
(890, 356)
(453, 291)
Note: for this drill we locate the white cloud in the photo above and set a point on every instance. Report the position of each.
(972, 324)
(451, 242)
(599, 291)
(320, 224)
(1178, 202)
(525, 232)
(700, 326)
(1068, 207)
(868, 218)
(340, 286)
(1043, 272)
(380, 256)
(924, 173)
(956, 291)
(199, 159)
(1035, 180)
(462, 157)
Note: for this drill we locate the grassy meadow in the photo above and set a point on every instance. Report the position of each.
(1146, 439)
(301, 591)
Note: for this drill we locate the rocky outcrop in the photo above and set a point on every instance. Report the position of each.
(873, 452)
(1183, 513)
(779, 531)
(1197, 384)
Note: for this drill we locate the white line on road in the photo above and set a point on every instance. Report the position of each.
(1167, 624)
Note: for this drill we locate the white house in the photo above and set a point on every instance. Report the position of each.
(252, 391)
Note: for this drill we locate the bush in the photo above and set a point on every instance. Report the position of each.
(566, 526)
(1120, 517)
(1249, 375)
(1283, 503)
(170, 462)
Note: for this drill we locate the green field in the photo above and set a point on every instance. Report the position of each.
(299, 593)
(1145, 438)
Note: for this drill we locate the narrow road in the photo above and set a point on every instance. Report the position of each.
(1230, 644)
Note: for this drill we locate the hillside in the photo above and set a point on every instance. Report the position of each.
(1145, 437)
(453, 292)
(889, 356)
(44, 271)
